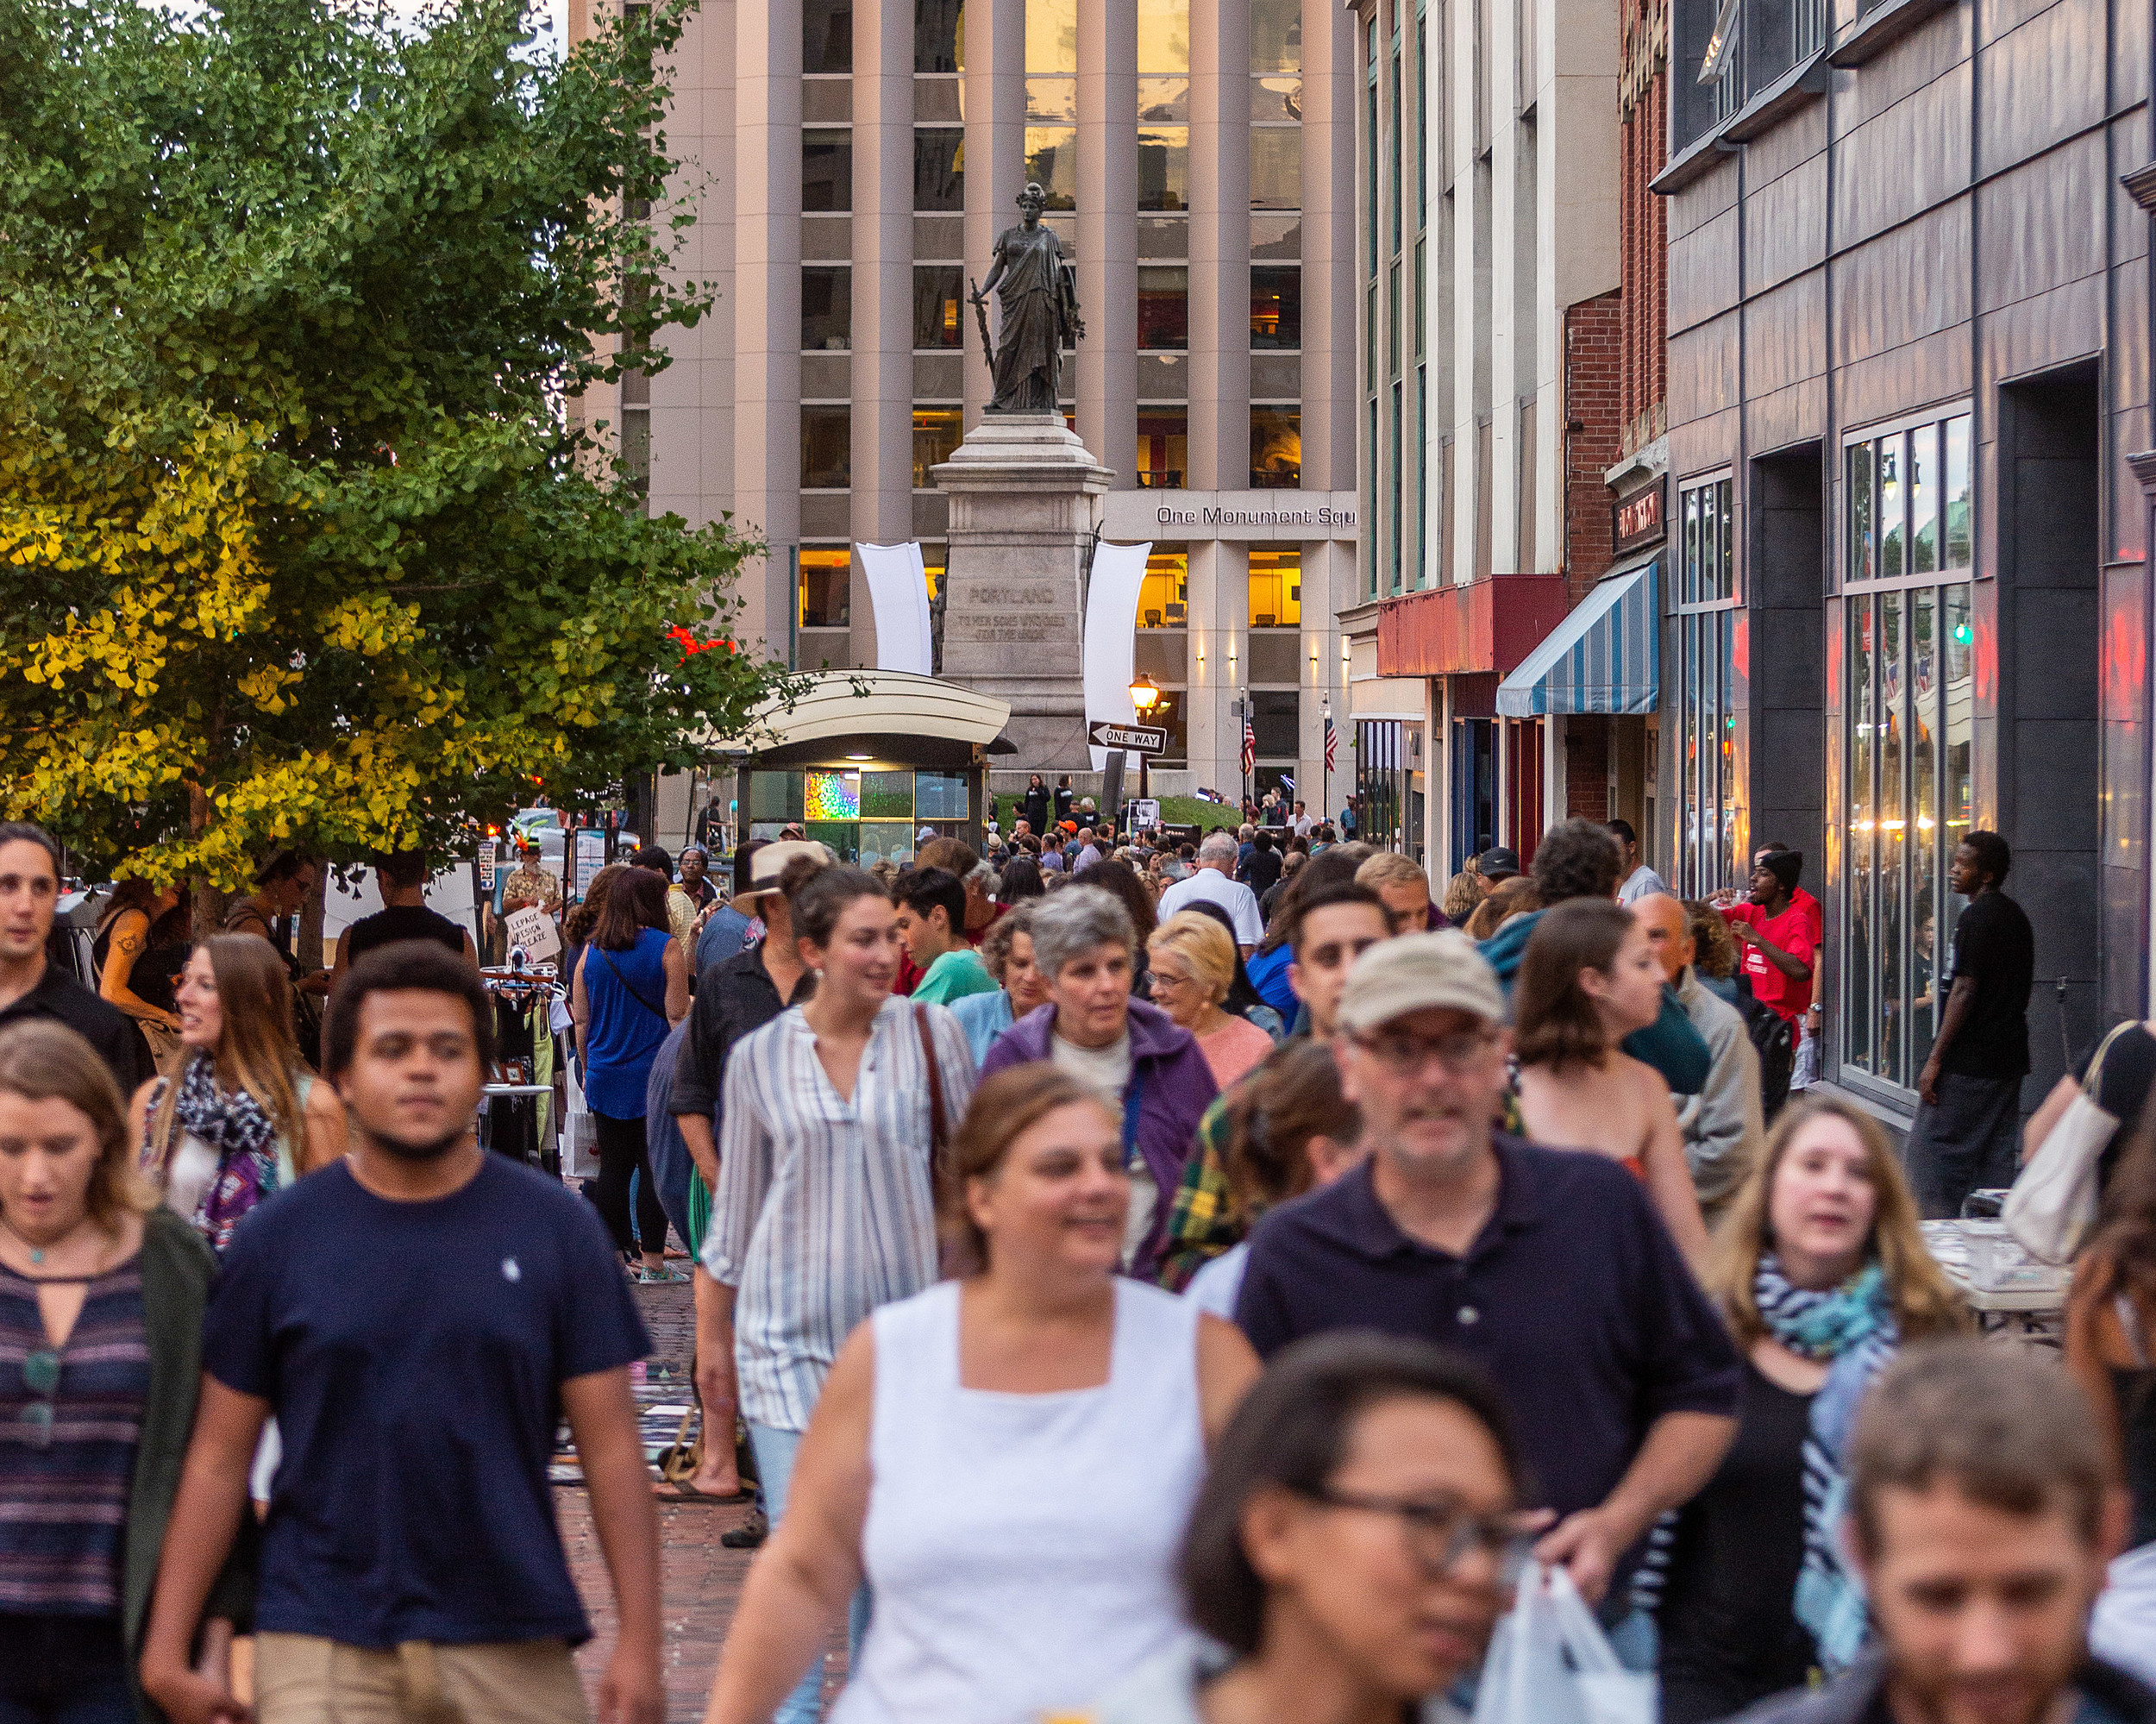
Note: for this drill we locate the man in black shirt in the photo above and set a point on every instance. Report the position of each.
(29, 986)
(1966, 1129)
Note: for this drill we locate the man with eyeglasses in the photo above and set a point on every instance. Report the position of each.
(1548, 1267)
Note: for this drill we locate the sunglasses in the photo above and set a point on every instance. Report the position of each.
(40, 1375)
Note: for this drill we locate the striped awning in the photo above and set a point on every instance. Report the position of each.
(1603, 657)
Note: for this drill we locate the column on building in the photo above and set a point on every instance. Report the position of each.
(1106, 191)
(937, 333)
(998, 151)
(770, 96)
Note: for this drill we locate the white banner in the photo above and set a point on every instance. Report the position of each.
(897, 588)
(1118, 574)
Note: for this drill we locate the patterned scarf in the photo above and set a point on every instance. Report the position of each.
(1851, 1330)
(245, 1141)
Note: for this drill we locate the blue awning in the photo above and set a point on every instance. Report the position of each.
(1604, 657)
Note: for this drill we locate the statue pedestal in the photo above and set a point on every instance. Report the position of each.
(1023, 503)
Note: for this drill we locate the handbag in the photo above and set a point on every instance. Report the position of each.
(1550, 1663)
(2053, 1202)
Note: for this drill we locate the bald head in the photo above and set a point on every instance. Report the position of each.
(1668, 932)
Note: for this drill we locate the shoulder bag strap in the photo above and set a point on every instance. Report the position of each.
(938, 1120)
(635, 993)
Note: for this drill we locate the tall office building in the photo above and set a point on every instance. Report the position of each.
(853, 161)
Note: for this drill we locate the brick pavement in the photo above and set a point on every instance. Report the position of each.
(700, 1580)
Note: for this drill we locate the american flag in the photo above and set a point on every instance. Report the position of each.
(1249, 746)
(1332, 746)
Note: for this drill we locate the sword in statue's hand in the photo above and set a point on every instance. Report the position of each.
(980, 312)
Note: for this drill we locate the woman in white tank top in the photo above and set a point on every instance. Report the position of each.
(1007, 1460)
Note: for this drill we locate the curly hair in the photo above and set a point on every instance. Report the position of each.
(1463, 897)
(1713, 948)
(1575, 859)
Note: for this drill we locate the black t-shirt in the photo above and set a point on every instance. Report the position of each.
(1261, 872)
(2122, 1088)
(102, 1024)
(401, 922)
(1727, 1619)
(1995, 948)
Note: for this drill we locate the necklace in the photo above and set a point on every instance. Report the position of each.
(37, 1252)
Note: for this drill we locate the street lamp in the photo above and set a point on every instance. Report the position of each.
(1145, 697)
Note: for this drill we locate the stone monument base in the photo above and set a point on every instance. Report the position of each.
(1024, 505)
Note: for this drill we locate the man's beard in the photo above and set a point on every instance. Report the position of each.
(431, 1151)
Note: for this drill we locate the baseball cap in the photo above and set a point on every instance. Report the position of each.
(769, 862)
(1498, 863)
(1417, 973)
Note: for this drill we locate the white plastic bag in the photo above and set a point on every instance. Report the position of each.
(2053, 1202)
(1550, 1663)
(580, 1132)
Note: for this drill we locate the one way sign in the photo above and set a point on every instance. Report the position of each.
(1132, 738)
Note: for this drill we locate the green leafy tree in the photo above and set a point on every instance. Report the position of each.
(300, 539)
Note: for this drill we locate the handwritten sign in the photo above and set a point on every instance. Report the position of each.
(535, 931)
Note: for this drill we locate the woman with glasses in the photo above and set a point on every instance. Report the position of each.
(101, 1295)
(1194, 968)
(1588, 979)
(1352, 1549)
(1007, 1458)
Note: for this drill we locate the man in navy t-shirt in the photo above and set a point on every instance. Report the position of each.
(417, 1319)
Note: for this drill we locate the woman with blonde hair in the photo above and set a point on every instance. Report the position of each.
(1007, 1458)
(1463, 898)
(1820, 1271)
(235, 1115)
(101, 1297)
(1193, 971)
(1588, 978)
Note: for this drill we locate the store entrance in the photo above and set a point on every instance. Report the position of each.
(1474, 789)
(2050, 780)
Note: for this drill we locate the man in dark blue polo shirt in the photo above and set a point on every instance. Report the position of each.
(1548, 1267)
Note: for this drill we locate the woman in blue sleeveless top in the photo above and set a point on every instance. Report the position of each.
(632, 985)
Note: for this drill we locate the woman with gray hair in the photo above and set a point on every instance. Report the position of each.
(1147, 1069)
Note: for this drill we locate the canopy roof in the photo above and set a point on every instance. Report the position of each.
(897, 714)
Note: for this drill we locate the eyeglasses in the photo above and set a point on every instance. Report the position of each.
(40, 1375)
(1407, 1055)
(1440, 1533)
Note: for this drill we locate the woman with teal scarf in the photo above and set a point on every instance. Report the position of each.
(1821, 1269)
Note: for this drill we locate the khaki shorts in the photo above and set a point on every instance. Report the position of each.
(305, 1679)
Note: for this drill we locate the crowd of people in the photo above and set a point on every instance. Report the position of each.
(1130, 1299)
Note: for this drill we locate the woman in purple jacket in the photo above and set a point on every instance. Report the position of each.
(1147, 1069)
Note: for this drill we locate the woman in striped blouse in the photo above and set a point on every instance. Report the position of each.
(102, 1293)
(826, 1201)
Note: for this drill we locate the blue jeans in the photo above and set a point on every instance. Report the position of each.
(64, 1670)
(775, 1451)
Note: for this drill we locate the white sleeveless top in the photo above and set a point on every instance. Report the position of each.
(1021, 1548)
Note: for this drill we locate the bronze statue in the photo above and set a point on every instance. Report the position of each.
(1039, 298)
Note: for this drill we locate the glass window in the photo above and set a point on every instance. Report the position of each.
(827, 35)
(1957, 801)
(1398, 142)
(1862, 547)
(827, 309)
(1163, 601)
(774, 796)
(1924, 499)
(1275, 722)
(1051, 37)
(1276, 447)
(1052, 159)
(1398, 553)
(1422, 289)
(1710, 827)
(890, 841)
(1892, 846)
(827, 435)
(1275, 307)
(1276, 167)
(1392, 321)
(937, 315)
(1960, 523)
(1276, 98)
(1861, 946)
(1275, 35)
(934, 559)
(1276, 587)
(1052, 99)
(826, 602)
(1163, 167)
(940, 796)
(1886, 467)
(833, 795)
(1163, 101)
(939, 167)
(827, 170)
(1422, 123)
(887, 796)
(1925, 854)
(1162, 447)
(1163, 307)
(937, 25)
(1163, 36)
(935, 434)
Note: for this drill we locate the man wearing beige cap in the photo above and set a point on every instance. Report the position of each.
(1548, 1267)
(734, 997)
